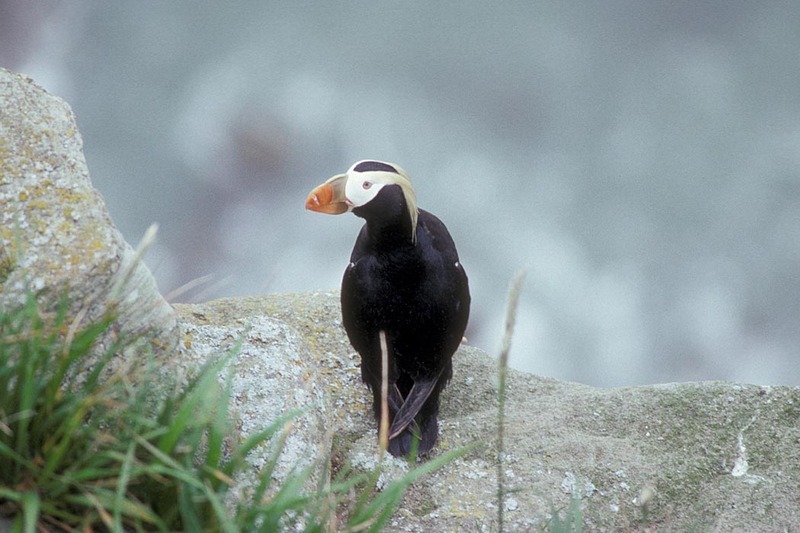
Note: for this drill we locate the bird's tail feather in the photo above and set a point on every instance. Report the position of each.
(417, 396)
(415, 438)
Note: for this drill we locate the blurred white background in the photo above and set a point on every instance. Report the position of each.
(640, 159)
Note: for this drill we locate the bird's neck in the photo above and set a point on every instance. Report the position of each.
(390, 233)
(388, 219)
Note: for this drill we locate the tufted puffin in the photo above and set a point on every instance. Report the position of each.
(405, 279)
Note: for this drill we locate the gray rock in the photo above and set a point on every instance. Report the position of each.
(675, 457)
(56, 237)
(271, 374)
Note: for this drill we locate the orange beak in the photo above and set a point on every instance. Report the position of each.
(329, 197)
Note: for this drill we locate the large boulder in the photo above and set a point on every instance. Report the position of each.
(56, 237)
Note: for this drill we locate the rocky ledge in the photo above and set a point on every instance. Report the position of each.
(677, 457)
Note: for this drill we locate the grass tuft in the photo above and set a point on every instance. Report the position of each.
(102, 454)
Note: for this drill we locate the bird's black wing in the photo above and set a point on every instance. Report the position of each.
(441, 240)
(442, 243)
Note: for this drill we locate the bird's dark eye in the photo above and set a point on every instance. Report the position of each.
(366, 184)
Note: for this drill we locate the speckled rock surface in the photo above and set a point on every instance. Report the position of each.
(56, 236)
(270, 375)
(676, 457)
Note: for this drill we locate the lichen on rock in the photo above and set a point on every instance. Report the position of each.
(56, 237)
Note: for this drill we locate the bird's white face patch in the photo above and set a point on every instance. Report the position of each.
(361, 187)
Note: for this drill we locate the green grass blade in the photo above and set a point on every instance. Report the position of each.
(122, 485)
(9, 453)
(190, 518)
(218, 428)
(199, 394)
(221, 514)
(63, 440)
(30, 511)
(26, 397)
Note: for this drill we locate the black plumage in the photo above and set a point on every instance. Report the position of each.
(416, 290)
(405, 280)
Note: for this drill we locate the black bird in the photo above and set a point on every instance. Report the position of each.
(404, 278)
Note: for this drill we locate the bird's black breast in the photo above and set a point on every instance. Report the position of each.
(417, 292)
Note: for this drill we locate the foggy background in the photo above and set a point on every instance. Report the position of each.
(640, 159)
